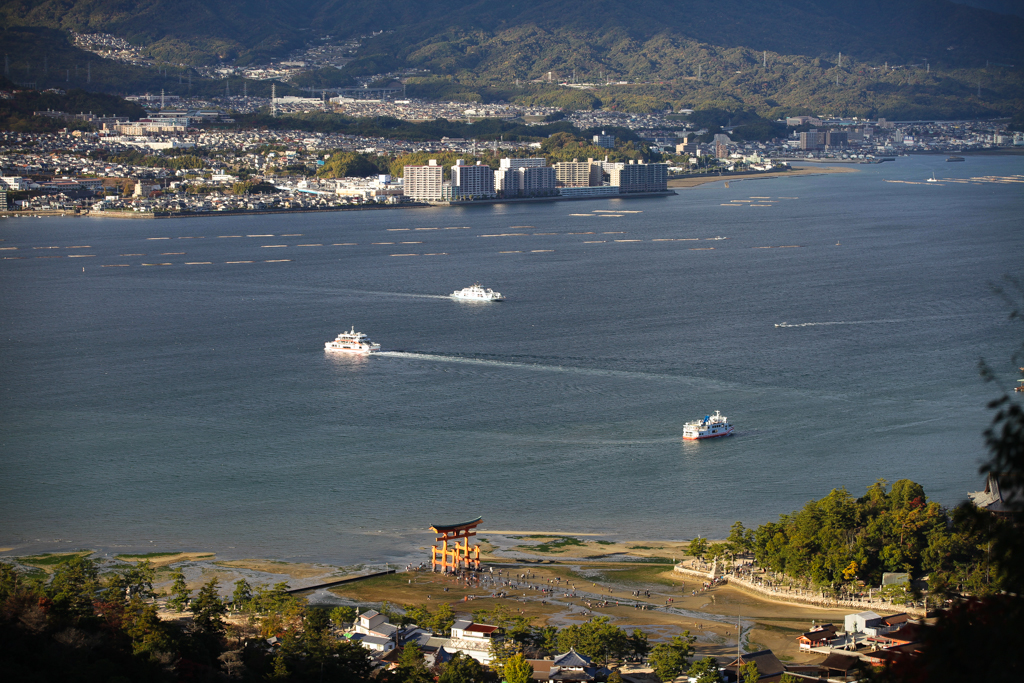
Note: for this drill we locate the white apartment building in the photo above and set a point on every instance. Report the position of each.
(423, 183)
(537, 181)
(639, 177)
(525, 181)
(472, 181)
(578, 173)
(532, 162)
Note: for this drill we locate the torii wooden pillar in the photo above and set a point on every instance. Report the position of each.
(455, 556)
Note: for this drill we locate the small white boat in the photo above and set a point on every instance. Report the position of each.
(932, 179)
(477, 293)
(710, 427)
(352, 342)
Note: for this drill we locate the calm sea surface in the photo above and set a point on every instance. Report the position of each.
(191, 405)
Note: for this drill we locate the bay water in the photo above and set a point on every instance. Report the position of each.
(837, 320)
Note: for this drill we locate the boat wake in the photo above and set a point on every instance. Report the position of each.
(542, 367)
(860, 322)
(399, 294)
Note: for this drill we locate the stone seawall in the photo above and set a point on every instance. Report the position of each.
(797, 596)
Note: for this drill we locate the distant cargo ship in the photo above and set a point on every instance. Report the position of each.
(955, 158)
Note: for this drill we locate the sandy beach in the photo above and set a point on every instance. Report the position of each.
(796, 171)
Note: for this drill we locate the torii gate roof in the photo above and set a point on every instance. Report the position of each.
(442, 528)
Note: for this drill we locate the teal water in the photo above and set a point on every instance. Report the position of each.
(192, 406)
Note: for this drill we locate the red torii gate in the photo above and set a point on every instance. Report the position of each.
(456, 556)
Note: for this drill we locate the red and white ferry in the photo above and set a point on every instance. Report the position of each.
(352, 342)
(711, 426)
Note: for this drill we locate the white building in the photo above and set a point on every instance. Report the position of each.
(639, 177)
(423, 183)
(472, 181)
(472, 639)
(531, 162)
(537, 181)
(525, 181)
(603, 140)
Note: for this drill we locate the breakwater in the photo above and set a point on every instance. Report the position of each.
(806, 597)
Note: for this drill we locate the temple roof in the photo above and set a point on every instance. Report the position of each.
(440, 528)
(572, 660)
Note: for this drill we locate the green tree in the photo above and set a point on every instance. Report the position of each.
(444, 617)
(135, 580)
(180, 593)
(749, 672)
(316, 620)
(698, 547)
(73, 587)
(597, 639)
(706, 671)
(639, 646)
(242, 595)
(151, 637)
(740, 539)
(462, 669)
(411, 666)
(501, 651)
(517, 669)
(208, 609)
(343, 614)
(673, 658)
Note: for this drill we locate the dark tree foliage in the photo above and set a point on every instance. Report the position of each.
(980, 638)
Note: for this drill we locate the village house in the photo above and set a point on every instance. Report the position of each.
(820, 636)
(472, 639)
(570, 666)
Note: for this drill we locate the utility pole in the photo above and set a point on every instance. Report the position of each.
(698, 71)
(840, 60)
(765, 64)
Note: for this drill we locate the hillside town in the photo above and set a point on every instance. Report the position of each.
(67, 172)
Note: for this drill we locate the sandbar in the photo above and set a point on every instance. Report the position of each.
(796, 171)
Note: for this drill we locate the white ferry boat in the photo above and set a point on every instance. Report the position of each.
(710, 426)
(477, 293)
(352, 342)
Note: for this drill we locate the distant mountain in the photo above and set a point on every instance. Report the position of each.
(870, 30)
(905, 59)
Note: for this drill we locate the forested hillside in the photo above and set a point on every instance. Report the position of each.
(914, 59)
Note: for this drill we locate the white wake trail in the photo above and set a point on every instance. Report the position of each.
(864, 322)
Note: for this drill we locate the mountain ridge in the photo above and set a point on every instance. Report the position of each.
(244, 30)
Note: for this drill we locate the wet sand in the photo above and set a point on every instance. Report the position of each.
(796, 171)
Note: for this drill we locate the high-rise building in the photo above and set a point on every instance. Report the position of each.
(604, 140)
(537, 181)
(423, 183)
(640, 177)
(525, 181)
(538, 162)
(472, 181)
(835, 139)
(811, 140)
(578, 173)
(506, 182)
